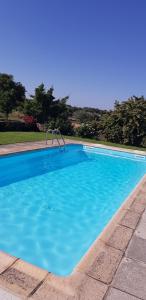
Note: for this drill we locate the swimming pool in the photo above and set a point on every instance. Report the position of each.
(54, 204)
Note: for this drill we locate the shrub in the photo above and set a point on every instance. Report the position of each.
(29, 120)
(64, 126)
(88, 130)
(17, 126)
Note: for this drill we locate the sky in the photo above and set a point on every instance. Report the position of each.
(92, 50)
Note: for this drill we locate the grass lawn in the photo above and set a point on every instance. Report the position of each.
(17, 137)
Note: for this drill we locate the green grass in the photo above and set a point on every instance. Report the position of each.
(18, 137)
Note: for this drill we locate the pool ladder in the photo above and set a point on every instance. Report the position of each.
(56, 135)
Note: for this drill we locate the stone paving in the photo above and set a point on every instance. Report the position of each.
(28, 146)
(114, 270)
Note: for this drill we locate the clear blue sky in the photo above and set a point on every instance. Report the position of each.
(92, 50)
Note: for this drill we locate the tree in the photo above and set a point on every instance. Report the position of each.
(52, 112)
(43, 100)
(39, 105)
(12, 94)
(59, 116)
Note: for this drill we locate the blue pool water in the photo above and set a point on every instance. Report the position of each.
(53, 204)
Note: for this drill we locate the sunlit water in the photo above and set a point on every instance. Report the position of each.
(53, 204)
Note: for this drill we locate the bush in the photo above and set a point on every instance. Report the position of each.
(29, 120)
(88, 130)
(126, 124)
(64, 126)
(17, 126)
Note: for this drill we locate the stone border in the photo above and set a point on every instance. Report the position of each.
(96, 269)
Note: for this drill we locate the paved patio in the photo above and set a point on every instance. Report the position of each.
(118, 271)
(28, 146)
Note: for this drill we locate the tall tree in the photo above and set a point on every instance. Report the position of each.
(40, 104)
(12, 94)
(48, 110)
(43, 100)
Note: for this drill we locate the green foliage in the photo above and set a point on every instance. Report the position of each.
(59, 109)
(64, 126)
(43, 100)
(40, 104)
(59, 117)
(110, 127)
(12, 94)
(84, 116)
(29, 108)
(127, 123)
(17, 126)
(54, 113)
(88, 130)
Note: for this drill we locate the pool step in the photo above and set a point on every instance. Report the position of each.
(114, 153)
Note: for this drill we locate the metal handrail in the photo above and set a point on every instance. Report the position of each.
(55, 133)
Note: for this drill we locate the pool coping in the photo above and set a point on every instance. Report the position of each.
(94, 270)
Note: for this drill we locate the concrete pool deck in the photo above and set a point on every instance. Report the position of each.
(114, 268)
